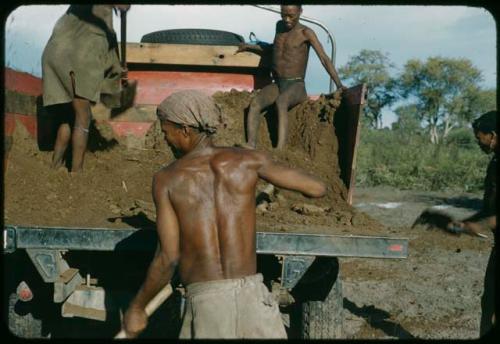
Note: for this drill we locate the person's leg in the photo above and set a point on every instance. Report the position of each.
(64, 115)
(62, 141)
(265, 98)
(80, 135)
(488, 297)
(291, 96)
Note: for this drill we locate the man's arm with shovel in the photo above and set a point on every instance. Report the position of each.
(161, 268)
(471, 225)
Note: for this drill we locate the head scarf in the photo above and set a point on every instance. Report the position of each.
(192, 108)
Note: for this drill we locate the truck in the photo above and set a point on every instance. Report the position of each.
(76, 281)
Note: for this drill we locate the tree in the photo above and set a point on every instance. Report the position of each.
(474, 103)
(407, 123)
(445, 92)
(372, 68)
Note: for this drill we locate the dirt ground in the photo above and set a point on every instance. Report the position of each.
(434, 293)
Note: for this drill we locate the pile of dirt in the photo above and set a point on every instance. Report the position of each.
(115, 188)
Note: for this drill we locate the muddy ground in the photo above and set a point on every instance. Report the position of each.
(435, 293)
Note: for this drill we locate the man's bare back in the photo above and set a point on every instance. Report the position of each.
(213, 194)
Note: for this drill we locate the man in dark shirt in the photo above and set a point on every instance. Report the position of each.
(485, 131)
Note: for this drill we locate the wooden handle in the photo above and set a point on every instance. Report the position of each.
(152, 305)
(123, 38)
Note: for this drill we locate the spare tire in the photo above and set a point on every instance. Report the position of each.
(193, 36)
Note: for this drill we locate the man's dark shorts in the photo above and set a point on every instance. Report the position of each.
(285, 83)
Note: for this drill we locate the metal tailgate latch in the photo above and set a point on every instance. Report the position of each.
(293, 268)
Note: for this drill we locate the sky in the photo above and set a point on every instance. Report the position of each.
(402, 32)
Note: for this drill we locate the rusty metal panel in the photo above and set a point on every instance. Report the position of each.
(13, 119)
(154, 86)
(346, 123)
(17, 102)
(293, 268)
(22, 82)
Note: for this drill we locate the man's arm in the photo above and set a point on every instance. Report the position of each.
(260, 49)
(289, 178)
(254, 48)
(163, 264)
(325, 61)
(485, 218)
(485, 223)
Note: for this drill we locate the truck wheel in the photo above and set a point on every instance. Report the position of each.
(193, 36)
(21, 321)
(324, 319)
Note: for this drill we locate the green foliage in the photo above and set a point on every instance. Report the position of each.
(463, 138)
(372, 68)
(445, 92)
(438, 98)
(410, 161)
(408, 122)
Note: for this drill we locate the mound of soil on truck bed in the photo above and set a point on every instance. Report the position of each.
(115, 188)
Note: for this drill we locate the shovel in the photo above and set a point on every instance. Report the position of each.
(129, 86)
(152, 306)
(438, 219)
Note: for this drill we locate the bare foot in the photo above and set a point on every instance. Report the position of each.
(61, 169)
(76, 174)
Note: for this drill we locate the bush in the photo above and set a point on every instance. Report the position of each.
(462, 137)
(410, 161)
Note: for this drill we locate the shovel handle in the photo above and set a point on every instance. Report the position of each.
(123, 38)
(152, 306)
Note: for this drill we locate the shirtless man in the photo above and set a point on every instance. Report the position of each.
(290, 52)
(205, 215)
(79, 62)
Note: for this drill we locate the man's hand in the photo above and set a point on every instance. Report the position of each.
(474, 228)
(241, 48)
(134, 321)
(122, 8)
(471, 228)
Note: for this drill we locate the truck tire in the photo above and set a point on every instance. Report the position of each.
(324, 319)
(21, 322)
(193, 36)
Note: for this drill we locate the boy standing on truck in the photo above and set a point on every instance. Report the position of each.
(79, 62)
(290, 52)
(205, 215)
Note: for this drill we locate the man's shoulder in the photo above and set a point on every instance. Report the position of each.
(166, 171)
(306, 30)
(238, 154)
(231, 152)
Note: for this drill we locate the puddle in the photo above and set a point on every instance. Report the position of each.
(387, 205)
